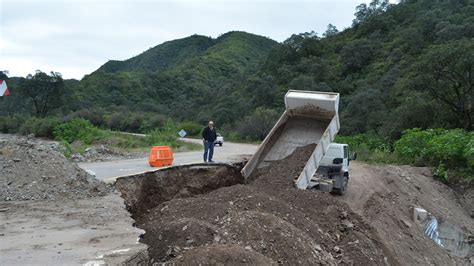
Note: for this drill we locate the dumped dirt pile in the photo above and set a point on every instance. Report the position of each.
(385, 197)
(32, 169)
(267, 221)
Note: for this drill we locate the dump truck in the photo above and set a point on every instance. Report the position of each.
(309, 118)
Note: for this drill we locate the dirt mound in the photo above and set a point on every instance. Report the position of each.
(385, 197)
(33, 169)
(266, 221)
(221, 255)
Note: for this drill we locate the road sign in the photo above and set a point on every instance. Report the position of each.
(3, 88)
(182, 133)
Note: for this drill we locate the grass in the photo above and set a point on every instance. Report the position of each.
(126, 143)
(134, 143)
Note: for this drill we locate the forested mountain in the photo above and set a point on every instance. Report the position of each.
(399, 66)
(163, 56)
(186, 79)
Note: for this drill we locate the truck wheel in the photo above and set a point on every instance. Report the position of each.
(341, 191)
(220, 144)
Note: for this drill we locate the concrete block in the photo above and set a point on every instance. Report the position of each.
(419, 215)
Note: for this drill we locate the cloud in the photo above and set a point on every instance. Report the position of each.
(76, 37)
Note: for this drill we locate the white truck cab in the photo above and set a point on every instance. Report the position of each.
(333, 171)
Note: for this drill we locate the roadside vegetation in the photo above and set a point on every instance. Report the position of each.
(450, 152)
(78, 134)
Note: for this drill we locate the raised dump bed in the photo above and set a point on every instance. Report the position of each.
(309, 118)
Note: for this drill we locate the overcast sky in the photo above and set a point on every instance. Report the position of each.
(76, 37)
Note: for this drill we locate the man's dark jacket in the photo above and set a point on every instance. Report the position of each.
(209, 134)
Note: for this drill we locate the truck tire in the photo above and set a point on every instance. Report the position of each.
(342, 191)
(220, 144)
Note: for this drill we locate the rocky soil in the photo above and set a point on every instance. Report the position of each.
(264, 222)
(33, 169)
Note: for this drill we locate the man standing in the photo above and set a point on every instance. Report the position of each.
(209, 136)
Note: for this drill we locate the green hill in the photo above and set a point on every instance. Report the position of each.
(163, 56)
(186, 79)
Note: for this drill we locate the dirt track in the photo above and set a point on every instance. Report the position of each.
(68, 232)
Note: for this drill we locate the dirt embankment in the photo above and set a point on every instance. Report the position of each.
(464, 192)
(266, 221)
(385, 197)
(33, 169)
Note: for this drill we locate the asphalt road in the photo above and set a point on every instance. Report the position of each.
(109, 171)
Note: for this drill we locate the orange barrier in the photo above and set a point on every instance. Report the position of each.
(160, 156)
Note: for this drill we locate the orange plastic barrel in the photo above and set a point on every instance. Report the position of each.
(160, 156)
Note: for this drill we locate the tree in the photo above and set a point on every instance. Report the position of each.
(296, 40)
(446, 72)
(45, 91)
(331, 30)
(261, 90)
(258, 124)
(357, 54)
(365, 111)
(363, 12)
(4, 75)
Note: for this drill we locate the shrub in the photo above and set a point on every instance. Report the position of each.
(435, 147)
(94, 115)
(114, 121)
(11, 124)
(441, 173)
(77, 129)
(412, 147)
(165, 136)
(257, 125)
(40, 127)
(66, 149)
(369, 147)
(468, 152)
(233, 136)
(152, 121)
(372, 141)
(448, 148)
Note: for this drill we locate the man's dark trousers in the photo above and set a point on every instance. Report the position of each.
(208, 149)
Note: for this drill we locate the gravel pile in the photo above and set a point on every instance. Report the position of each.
(33, 169)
